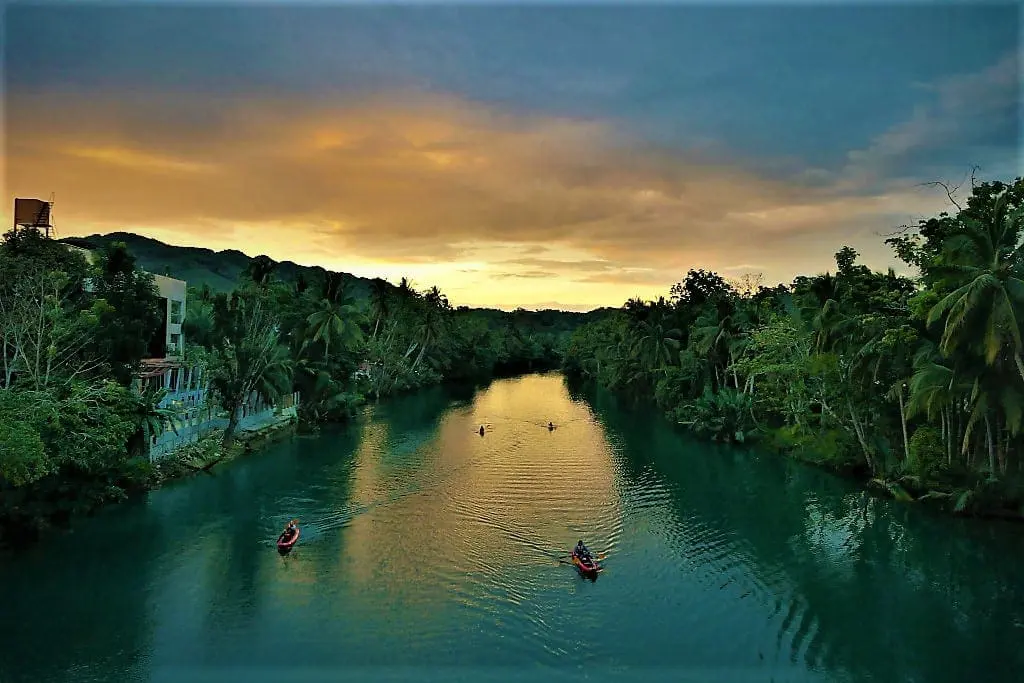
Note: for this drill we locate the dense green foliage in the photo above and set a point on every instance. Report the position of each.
(71, 428)
(311, 335)
(916, 382)
(74, 429)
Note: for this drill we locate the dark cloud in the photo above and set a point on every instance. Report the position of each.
(810, 82)
(599, 199)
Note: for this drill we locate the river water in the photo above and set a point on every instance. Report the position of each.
(429, 552)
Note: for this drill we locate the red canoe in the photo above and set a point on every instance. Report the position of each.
(586, 567)
(285, 546)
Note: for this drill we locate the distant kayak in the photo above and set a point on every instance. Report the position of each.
(284, 546)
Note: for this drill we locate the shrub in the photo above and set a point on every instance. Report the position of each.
(927, 453)
(724, 416)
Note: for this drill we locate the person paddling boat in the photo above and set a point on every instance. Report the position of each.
(584, 560)
(289, 537)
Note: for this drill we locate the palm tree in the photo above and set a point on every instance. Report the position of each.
(150, 419)
(333, 322)
(334, 287)
(934, 390)
(434, 322)
(380, 302)
(656, 344)
(200, 322)
(986, 261)
(722, 343)
(261, 269)
(249, 359)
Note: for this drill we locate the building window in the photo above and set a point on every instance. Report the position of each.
(176, 312)
(175, 345)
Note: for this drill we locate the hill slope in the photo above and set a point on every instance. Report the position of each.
(222, 271)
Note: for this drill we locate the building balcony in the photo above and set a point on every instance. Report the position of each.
(184, 399)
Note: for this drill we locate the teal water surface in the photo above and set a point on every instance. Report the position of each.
(429, 552)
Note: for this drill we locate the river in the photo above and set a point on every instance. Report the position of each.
(429, 552)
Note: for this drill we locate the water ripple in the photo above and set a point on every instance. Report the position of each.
(426, 545)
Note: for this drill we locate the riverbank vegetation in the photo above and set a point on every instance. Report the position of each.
(74, 427)
(314, 337)
(71, 428)
(915, 383)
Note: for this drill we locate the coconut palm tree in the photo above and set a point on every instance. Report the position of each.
(722, 343)
(333, 322)
(380, 303)
(249, 359)
(150, 419)
(657, 342)
(434, 322)
(985, 264)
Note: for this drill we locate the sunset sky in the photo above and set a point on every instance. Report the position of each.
(536, 156)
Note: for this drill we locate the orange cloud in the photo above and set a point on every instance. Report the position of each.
(462, 193)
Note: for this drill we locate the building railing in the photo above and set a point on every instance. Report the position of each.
(186, 399)
(199, 419)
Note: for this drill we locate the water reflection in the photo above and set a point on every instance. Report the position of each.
(425, 545)
(474, 519)
(859, 587)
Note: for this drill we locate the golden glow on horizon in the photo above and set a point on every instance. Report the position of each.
(497, 210)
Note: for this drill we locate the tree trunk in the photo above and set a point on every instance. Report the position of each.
(8, 366)
(419, 356)
(959, 428)
(861, 438)
(1004, 447)
(903, 422)
(991, 447)
(229, 431)
(947, 434)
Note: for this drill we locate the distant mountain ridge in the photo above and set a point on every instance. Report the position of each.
(223, 270)
(198, 266)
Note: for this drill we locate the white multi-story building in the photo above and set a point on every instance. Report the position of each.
(165, 367)
(172, 295)
(185, 384)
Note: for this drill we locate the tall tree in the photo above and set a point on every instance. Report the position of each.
(133, 314)
(261, 270)
(46, 338)
(985, 264)
(248, 359)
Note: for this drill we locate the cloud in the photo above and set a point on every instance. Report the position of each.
(132, 159)
(528, 274)
(975, 114)
(585, 271)
(558, 306)
(424, 183)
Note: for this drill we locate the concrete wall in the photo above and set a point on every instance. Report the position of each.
(174, 291)
(197, 422)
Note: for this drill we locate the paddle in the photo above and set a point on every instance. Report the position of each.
(596, 558)
(600, 556)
